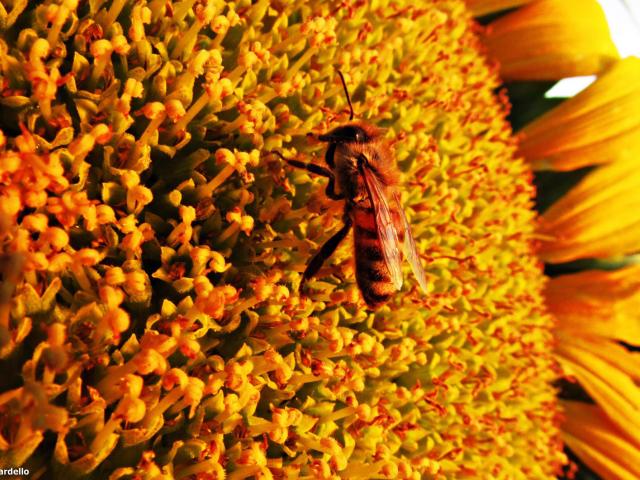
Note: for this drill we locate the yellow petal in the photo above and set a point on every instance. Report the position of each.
(609, 386)
(599, 125)
(598, 443)
(598, 218)
(622, 360)
(598, 302)
(483, 7)
(552, 39)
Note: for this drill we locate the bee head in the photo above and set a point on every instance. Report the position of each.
(351, 133)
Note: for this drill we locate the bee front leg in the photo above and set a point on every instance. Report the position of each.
(325, 252)
(318, 170)
(330, 191)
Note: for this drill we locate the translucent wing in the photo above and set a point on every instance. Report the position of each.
(410, 250)
(385, 227)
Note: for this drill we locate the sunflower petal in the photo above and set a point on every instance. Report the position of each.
(548, 40)
(601, 376)
(597, 219)
(625, 361)
(484, 7)
(599, 125)
(598, 302)
(598, 442)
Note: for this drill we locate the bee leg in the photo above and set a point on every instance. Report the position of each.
(330, 154)
(313, 168)
(330, 191)
(331, 187)
(318, 170)
(325, 252)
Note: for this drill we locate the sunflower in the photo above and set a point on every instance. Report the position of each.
(585, 151)
(152, 244)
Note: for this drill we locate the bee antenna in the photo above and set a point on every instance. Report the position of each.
(346, 91)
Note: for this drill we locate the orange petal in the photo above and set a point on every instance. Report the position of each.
(598, 443)
(598, 302)
(599, 125)
(483, 7)
(611, 387)
(598, 218)
(552, 39)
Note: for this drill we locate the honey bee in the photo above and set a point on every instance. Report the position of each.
(362, 172)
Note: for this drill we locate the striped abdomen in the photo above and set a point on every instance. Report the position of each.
(372, 273)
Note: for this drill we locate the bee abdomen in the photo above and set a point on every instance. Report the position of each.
(372, 273)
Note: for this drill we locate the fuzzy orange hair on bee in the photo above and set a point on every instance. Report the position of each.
(362, 171)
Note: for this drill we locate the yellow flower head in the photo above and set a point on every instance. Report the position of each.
(153, 242)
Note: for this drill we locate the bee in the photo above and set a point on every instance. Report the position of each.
(362, 171)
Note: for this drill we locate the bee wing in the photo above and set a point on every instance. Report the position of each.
(410, 250)
(385, 227)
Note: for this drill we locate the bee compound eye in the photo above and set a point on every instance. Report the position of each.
(346, 134)
(355, 134)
